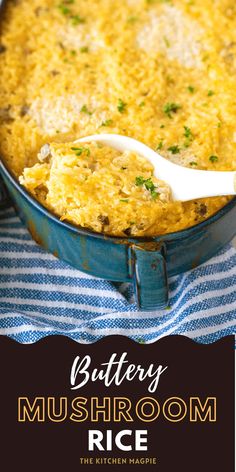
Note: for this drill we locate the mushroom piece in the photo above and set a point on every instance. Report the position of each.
(104, 220)
(5, 115)
(24, 110)
(2, 48)
(201, 209)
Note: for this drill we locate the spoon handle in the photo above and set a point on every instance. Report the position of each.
(188, 184)
(185, 183)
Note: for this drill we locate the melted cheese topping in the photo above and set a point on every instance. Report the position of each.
(157, 71)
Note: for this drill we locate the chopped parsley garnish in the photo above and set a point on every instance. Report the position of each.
(77, 20)
(170, 108)
(213, 158)
(132, 19)
(162, 126)
(152, 189)
(210, 93)
(193, 163)
(148, 184)
(142, 104)
(187, 143)
(80, 150)
(64, 9)
(107, 123)
(121, 107)
(159, 146)
(174, 149)
(166, 41)
(188, 135)
(84, 49)
(139, 181)
(85, 110)
(191, 89)
(124, 200)
(73, 52)
(187, 132)
(154, 194)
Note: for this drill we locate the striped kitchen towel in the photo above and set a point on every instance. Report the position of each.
(40, 295)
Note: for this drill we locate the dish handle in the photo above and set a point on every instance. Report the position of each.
(149, 274)
(4, 197)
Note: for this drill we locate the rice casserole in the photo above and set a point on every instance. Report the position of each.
(162, 72)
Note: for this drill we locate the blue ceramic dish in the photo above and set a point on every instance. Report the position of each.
(147, 262)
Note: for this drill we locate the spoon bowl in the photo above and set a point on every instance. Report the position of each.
(185, 183)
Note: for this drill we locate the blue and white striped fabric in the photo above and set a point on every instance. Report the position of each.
(40, 295)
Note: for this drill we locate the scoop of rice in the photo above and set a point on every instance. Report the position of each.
(97, 187)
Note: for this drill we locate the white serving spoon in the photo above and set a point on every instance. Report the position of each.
(186, 184)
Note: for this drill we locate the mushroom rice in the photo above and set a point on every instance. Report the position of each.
(158, 71)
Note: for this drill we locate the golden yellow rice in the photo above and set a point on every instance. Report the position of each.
(160, 71)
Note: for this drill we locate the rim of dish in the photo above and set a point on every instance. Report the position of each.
(77, 229)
